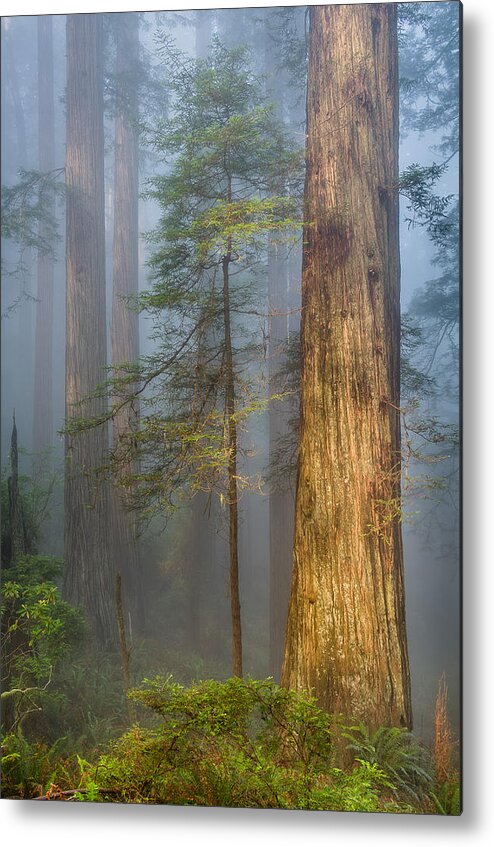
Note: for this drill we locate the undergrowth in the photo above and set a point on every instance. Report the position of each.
(250, 743)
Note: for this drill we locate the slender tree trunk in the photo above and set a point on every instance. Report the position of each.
(199, 550)
(17, 76)
(232, 477)
(281, 505)
(18, 542)
(43, 364)
(125, 318)
(346, 636)
(89, 578)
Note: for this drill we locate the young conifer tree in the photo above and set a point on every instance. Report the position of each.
(225, 190)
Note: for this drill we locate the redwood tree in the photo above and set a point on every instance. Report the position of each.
(125, 318)
(346, 635)
(280, 495)
(89, 574)
(43, 365)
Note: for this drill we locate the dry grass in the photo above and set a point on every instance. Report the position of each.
(443, 741)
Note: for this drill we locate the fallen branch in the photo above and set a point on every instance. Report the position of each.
(56, 793)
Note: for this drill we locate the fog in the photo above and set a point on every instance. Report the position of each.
(183, 582)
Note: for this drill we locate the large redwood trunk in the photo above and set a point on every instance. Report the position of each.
(125, 318)
(281, 505)
(346, 636)
(43, 364)
(89, 580)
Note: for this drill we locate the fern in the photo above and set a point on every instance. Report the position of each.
(397, 753)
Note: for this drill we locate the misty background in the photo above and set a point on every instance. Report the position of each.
(431, 523)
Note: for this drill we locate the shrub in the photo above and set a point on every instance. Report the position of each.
(38, 628)
(243, 743)
(28, 769)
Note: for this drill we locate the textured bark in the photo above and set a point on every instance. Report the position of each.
(43, 364)
(89, 580)
(346, 636)
(125, 320)
(281, 506)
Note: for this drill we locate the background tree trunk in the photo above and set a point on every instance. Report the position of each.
(125, 319)
(203, 513)
(231, 428)
(43, 363)
(18, 542)
(89, 579)
(346, 636)
(281, 505)
(203, 20)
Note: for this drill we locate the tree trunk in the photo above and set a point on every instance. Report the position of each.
(125, 320)
(281, 505)
(203, 32)
(43, 364)
(346, 636)
(89, 578)
(14, 95)
(232, 478)
(18, 542)
(199, 549)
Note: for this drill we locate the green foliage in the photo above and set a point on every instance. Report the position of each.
(30, 523)
(230, 179)
(241, 743)
(29, 768)
(405, 763)
(29, 203)
(35, 494)
(429, 70)
(91, 708)
(28, 223)
(427, 209)
(446, 797)
(413, 380)
(38, 628)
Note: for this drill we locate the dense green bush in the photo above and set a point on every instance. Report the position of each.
(38, 630)
(29, 768)
(238, 743)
